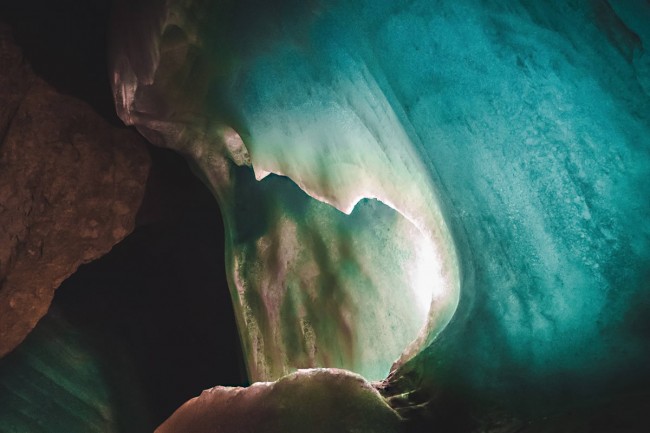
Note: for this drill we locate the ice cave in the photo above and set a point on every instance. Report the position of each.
(436, 217)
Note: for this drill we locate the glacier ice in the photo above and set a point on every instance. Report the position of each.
(60, 380)
(514, 136)
(349, 263)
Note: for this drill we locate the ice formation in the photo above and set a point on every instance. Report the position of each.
(59, 380)
(511, 138)
(342, 257)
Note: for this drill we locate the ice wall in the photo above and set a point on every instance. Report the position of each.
(61, 380)
(520, 127)
(537, 120)
(338, 252)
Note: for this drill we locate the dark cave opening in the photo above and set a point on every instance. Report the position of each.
(65, 42)
(160, 296)
(162, 293)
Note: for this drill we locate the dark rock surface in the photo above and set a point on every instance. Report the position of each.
(70, 188)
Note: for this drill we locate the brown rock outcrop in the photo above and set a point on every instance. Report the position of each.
(70, 187)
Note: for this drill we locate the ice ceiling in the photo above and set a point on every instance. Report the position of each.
(461, 185)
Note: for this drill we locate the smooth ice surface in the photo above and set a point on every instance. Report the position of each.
(522, 127)
(317, 400)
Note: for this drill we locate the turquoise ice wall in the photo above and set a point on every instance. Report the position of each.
(536, 118)
(523, 127)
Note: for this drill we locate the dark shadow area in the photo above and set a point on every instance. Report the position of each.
(159, 299)
(162, 293)
(65, 42)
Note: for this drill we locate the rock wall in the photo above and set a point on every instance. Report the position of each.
(70, 187)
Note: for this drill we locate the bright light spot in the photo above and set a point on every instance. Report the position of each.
(426, 276)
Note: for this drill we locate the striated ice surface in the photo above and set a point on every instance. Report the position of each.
(60, 380)
(510, 138)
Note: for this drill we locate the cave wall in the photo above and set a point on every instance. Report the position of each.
(531, 121)
(71, 185)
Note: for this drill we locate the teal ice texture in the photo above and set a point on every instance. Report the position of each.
(525, 124)
(61, 379)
